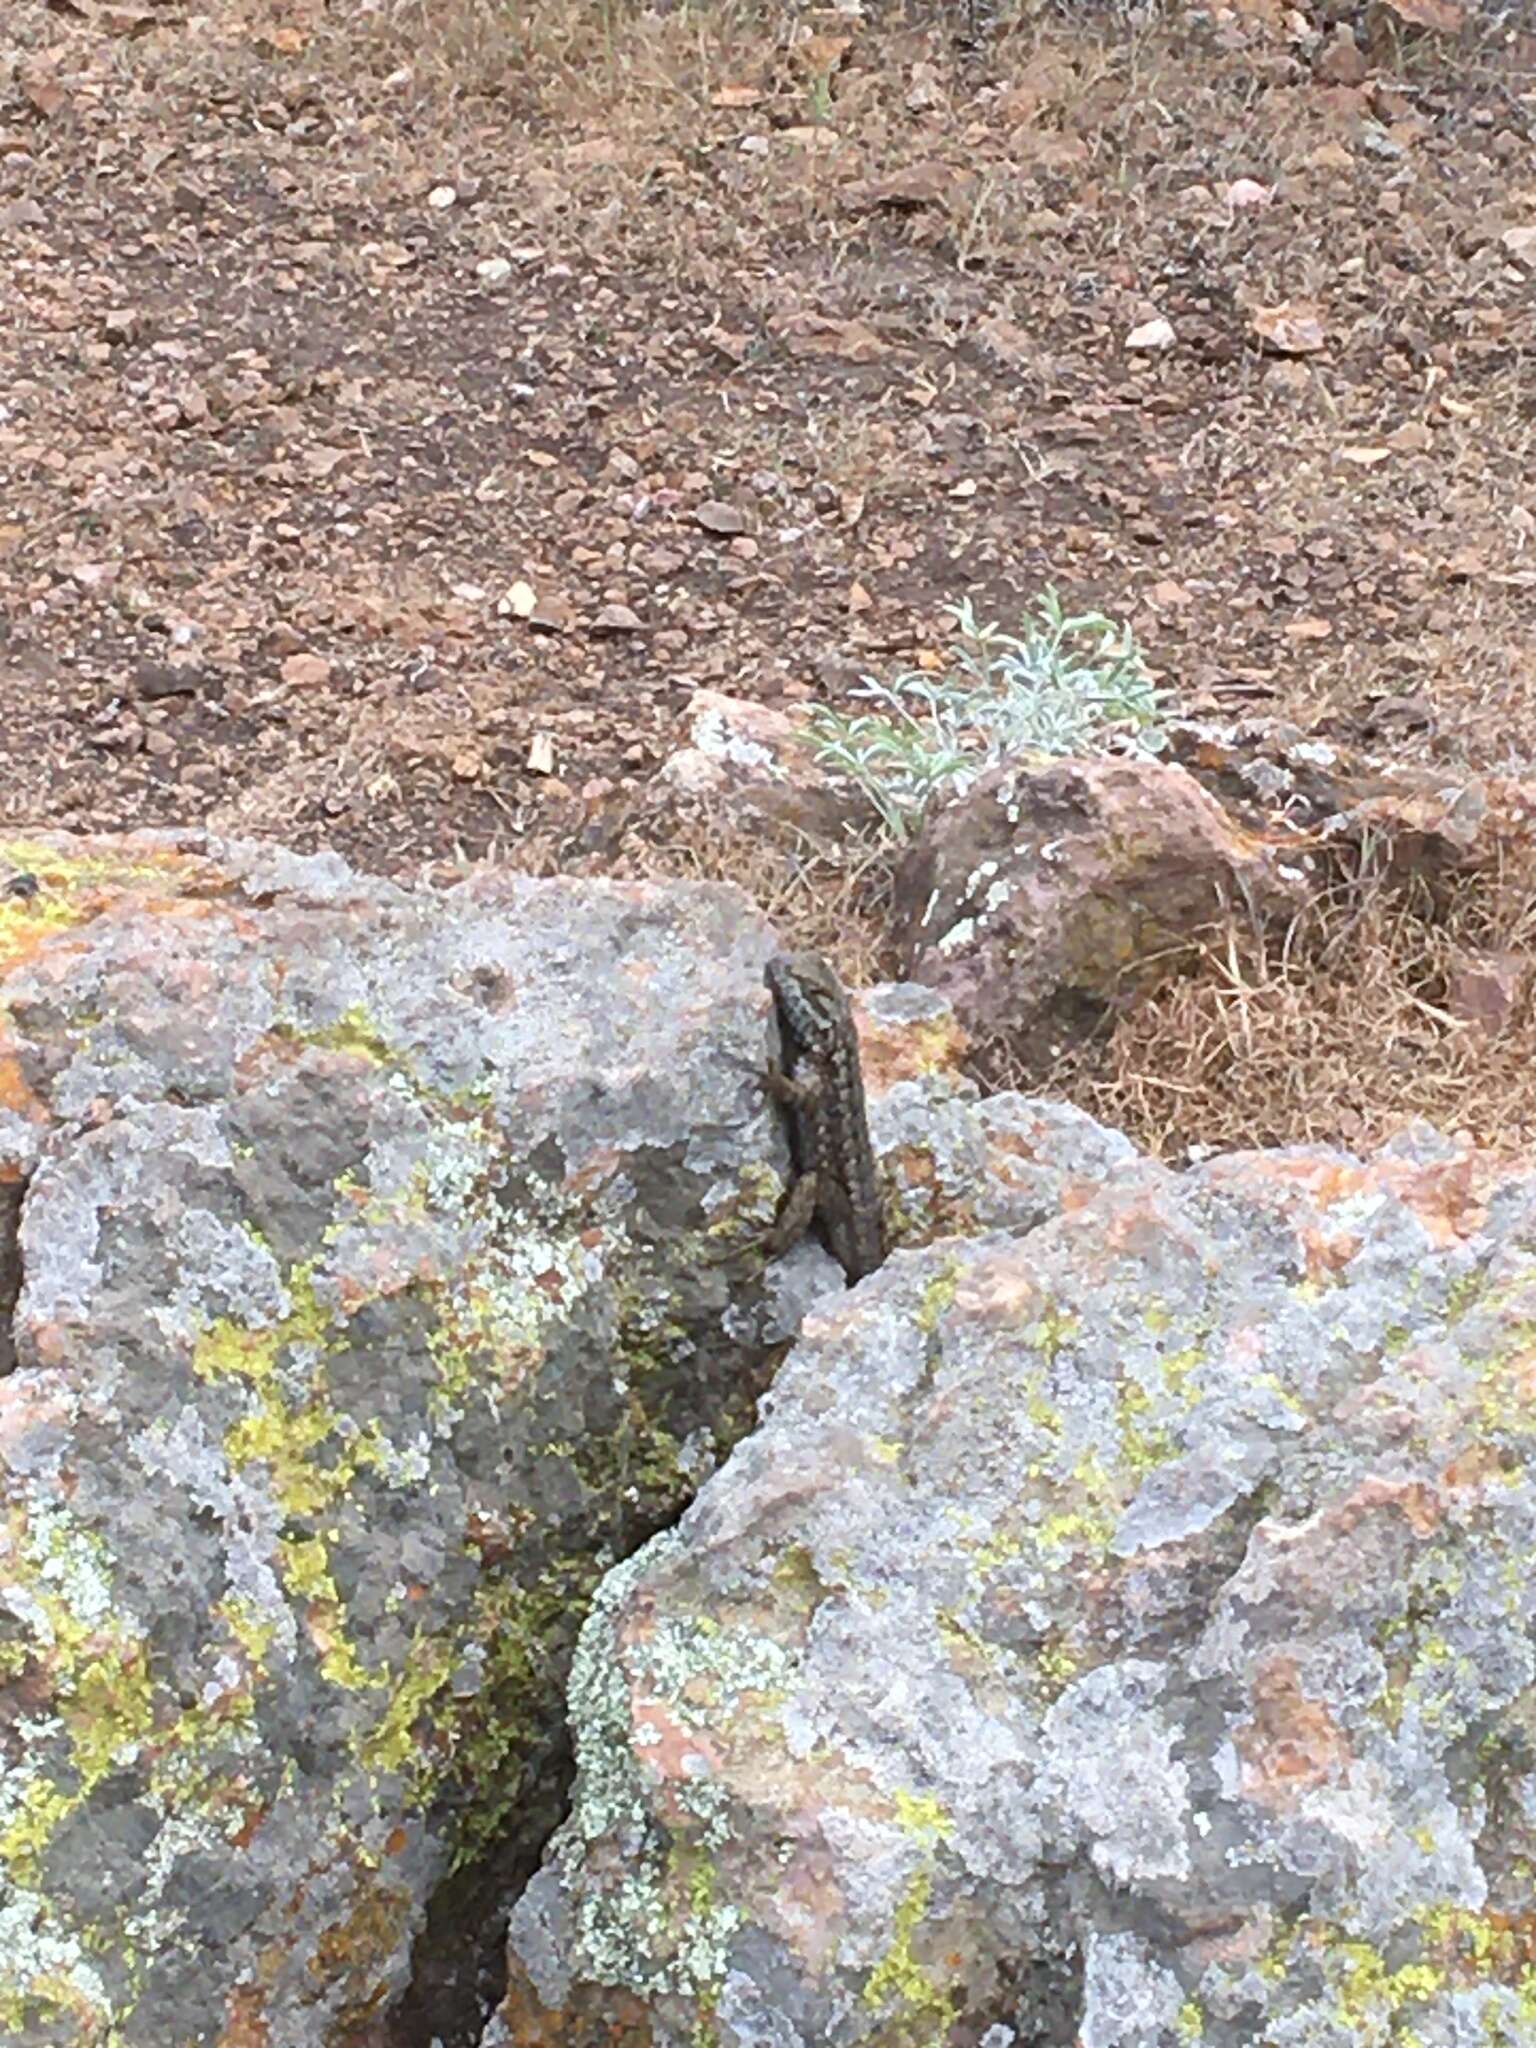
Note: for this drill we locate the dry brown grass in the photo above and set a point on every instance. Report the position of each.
(1336, 1031)
(814, 893)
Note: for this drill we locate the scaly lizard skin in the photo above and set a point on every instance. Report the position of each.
(822, 1088)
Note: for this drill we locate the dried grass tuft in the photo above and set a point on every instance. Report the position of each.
(1337, 1031)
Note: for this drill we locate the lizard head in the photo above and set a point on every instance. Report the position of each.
(808, 992)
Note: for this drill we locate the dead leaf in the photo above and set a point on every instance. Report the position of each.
(597, 149)
(859, 599)
(551, 615)
(1247, 192)
(924, 91)
(1309, 629)
(1465, 565)
(1342, 62)
(1411, 438)
(812, 334)
(1444, 17)
(1521, 244)
(1151, 334)
(1170, 596)
(44, 96)
(125, 21)
(736, 96)
(319, 462)
(1009, 342)
(914, 186)
(719, 517)
(820, 55)
(541, 754)
(1365, 458)
(306, 671)
(617, 618)
(1291, 329)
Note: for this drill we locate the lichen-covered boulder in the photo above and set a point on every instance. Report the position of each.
(1054, 888)
(360, 1249)
(1118, 1633)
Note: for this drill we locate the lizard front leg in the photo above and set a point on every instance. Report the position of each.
(790, 1089)
(800, 1095)
(794, 1217)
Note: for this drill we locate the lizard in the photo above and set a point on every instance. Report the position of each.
(821, 1086)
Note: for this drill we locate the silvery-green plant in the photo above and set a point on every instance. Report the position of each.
(1065, 684)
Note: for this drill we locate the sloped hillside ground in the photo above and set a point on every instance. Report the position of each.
(407, 406)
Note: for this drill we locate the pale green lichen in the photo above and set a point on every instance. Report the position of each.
(354, 1031)
(1090, 1507)
(991, 1553)
(393, 1742)
(1178, 1369)
(1051, 1332)
(656, 1928)
(495, 1316)
(1506, 1381)
(1477, 1954)
(921, 1815)
(1144, 1444)
(1368, 1991)
(49, 1981)
(1189, 2025)
(915, 2009)
(59, 1586)
(108, 1717)
(741, 1219)
(231, 1349)
(285, 1427)
(938, 1295)
(1057, 1665)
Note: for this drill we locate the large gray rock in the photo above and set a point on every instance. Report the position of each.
(1054, 888)
(369, 1306)
(1117, 1634)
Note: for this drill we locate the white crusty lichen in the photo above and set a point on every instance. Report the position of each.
(41, 1968)
(656, 1928)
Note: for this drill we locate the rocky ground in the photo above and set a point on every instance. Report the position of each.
(407, 407)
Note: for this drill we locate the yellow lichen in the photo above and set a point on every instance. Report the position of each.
(922, 2011)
